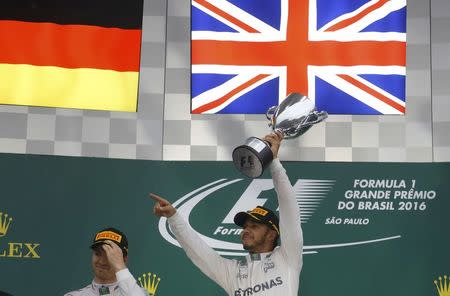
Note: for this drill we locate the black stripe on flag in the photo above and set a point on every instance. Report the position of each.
(126, 14)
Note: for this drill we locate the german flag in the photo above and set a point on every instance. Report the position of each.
(70, 53)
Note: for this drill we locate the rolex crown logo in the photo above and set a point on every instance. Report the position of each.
(443, 286)
(5, 221)
(149, 282)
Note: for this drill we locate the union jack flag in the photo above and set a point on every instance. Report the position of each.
(348, 56)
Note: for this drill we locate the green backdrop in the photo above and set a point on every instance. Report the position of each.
(394, 241)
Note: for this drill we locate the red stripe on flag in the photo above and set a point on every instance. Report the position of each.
(347, 22)
(226, 16)
(315, 53)
(373, 92)
(218, 102)
(69, 46)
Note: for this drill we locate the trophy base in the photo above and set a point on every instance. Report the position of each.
(253, 157)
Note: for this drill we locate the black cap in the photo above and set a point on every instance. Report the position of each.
(114, 235)
(258, 214)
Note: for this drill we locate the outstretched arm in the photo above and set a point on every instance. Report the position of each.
(201, 254)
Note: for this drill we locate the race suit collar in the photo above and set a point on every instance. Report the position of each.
(102, 289)
(258, 256)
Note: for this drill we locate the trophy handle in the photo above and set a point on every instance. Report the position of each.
(269, 114)
(320, 116)
(311, 119)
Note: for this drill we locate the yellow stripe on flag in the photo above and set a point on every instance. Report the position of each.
(68, 88)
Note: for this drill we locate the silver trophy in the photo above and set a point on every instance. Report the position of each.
(293, 117)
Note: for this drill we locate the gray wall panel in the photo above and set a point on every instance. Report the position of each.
(440, 36)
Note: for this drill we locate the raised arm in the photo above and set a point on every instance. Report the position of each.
(291, 235)
(127, 283)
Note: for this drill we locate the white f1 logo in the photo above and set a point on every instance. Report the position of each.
(249, 199)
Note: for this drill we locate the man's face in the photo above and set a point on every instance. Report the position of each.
(255, 237)
(100, 265)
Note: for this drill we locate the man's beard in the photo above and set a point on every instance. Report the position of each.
(246, 247)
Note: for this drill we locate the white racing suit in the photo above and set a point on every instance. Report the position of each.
(266, 274)
(125, 286)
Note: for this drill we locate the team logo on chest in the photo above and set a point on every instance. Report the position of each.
(243, 270)
(268, 264)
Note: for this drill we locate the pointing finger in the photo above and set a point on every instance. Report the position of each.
(158, 198)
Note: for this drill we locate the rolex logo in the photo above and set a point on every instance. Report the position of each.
(149, 282)
(5, 221)
(9, 249)
(443, 286)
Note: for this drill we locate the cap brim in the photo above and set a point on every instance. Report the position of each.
(96, 244)
(241, 217)
(99, 243)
